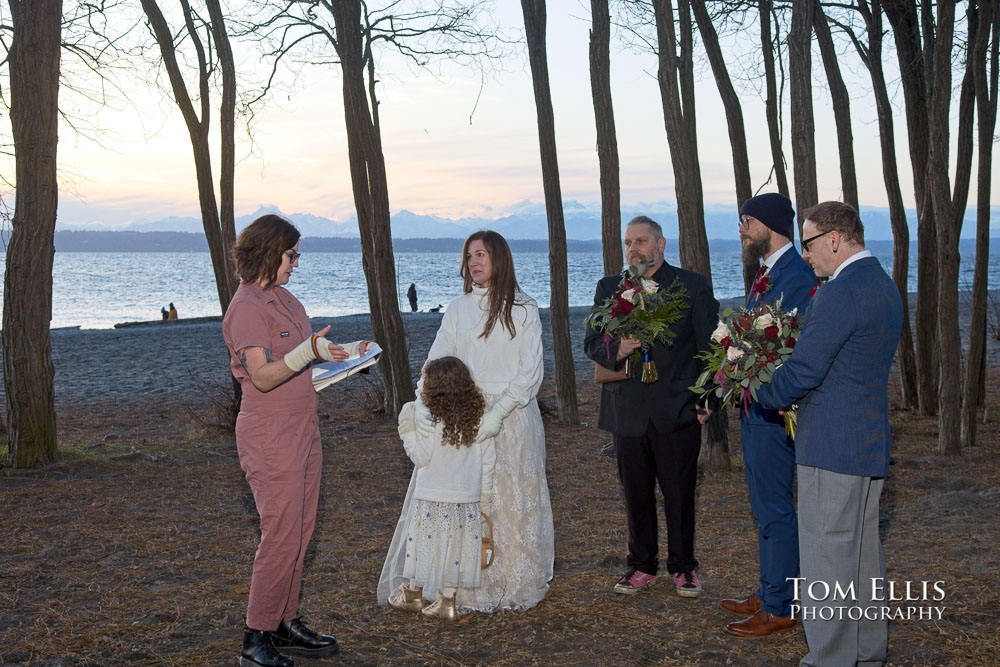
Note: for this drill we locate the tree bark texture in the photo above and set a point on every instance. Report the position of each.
(803, 130)
(841, 107)
(986, 112)
(772, 102)
(607, 139)
(534, 29)
(198, 126)
(734, 119)
(676, 78)
(872, 57)
(913, 66)
(33, 62)
(371, 201)
(949, 344)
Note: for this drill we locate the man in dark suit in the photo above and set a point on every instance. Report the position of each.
(768, 453)
(657, 427)
(839, 376)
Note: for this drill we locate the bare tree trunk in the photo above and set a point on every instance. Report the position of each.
(33, 63)
(198, 130)
(914, 68)
(734, 120)
(803, 139)
(986, 106)
(872, 57)
(841, 107)
(534, 29)
(949, 345)
(607, 140)
(772, 103)
(371, 200)
(676, 79)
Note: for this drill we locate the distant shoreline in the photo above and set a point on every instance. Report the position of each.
(129, 241)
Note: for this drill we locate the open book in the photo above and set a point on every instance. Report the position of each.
(328, 372)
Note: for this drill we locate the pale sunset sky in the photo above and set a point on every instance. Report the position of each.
(439, 163)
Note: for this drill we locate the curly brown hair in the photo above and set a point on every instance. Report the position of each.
(257, 252)
(453, 398)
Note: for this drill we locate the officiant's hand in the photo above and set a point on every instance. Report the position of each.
(329, 351)
(627, 346)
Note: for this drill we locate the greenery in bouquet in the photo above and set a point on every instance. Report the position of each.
(642, 309)
(746, 349)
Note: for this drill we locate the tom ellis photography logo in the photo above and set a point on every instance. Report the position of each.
(886, 600)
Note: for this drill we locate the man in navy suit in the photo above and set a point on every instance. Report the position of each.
(768, 453)
(838, 375)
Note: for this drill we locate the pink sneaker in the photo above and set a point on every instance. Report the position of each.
(687, 584)
(632, 581)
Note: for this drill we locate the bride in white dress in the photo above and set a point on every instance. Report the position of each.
(495, 330)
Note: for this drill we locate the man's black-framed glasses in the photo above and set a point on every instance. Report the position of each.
(806, 242)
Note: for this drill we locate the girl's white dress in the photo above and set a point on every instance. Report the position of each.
(444, 528)
(509, 371)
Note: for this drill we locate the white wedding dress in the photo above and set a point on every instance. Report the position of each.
(509, 372)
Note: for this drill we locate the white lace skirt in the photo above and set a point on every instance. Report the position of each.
(443, 546)
(522, 524)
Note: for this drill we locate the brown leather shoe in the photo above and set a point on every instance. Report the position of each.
(742, 607)
(760, 625)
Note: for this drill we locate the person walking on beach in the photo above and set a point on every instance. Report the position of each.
(495, 330)
(838, 374)
(766, 223)
(271, 348)
(453, 482)
(411, 294)
(163, 312)
(657, 427)
(172, 313)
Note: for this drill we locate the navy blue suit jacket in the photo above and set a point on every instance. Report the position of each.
(839, 373)
(791, 279)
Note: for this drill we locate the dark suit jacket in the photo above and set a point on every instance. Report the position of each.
(627, 406)
(839, 373)
(791, 279)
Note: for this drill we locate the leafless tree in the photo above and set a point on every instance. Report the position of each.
(607, 140)
(353, 34)
(871, 55)
(534, 29)
(772, 101)
(985, 83)
(803, 130)
(841, 106)
(197, 31)
(33, 62)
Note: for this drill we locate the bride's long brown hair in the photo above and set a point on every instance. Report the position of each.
(503, 288)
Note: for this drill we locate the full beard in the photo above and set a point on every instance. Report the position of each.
(755, 250)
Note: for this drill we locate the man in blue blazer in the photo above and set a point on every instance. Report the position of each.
(768, 453)
(838, 375)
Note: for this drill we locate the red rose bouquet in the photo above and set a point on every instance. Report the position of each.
(745, 351)
(640, 308)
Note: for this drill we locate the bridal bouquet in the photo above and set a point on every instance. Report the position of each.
(745, 350)
(640, 308)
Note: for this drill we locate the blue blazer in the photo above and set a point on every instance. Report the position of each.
(791, 279)
(839, 373)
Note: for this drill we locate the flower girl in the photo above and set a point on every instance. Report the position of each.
(454, 476)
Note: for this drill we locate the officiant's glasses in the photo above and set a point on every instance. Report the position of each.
(806, 242)
(292, 256)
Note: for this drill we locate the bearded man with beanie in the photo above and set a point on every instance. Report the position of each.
(766, 224)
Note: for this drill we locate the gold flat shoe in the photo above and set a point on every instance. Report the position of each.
(443, 608)
(407, 599)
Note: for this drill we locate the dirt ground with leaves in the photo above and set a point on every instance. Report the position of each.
(136, 548)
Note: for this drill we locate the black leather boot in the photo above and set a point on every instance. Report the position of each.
(295, 638)
(259, 651)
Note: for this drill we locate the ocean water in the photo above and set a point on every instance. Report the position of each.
(98, 290)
